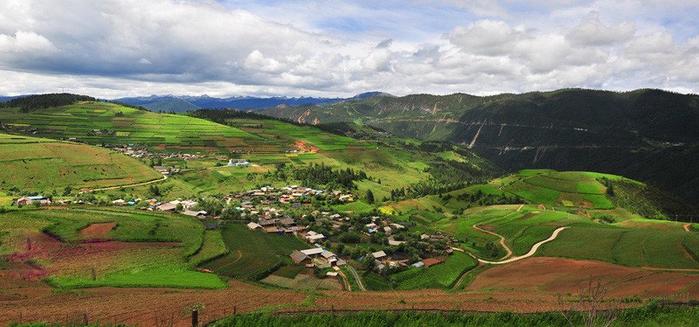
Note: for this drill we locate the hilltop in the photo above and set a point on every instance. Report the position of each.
(644, 134)
(39, 165)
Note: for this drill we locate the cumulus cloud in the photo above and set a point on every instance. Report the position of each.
(134, 47)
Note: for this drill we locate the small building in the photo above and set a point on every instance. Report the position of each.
(119, 202)
(378, 255)
(197, 214)
(312, 236)
(238, 163)
(167, 206)
(27, 200)
(299, 257)
(253, 225)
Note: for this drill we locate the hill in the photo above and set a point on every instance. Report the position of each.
(32, 164)
(183, 103)
(97, 122)
(644, 134)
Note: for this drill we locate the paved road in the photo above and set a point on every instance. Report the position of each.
(127, 185)
(531, 252)
(354, 273)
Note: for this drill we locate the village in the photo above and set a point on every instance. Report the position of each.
(334, 238)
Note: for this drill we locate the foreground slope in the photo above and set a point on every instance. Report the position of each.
(32, 164)
(644, 134)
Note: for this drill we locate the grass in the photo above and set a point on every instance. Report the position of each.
(129, 126)
(212, 247)
(146, 264)
(642, 317)
(253, 254)
(631, 246)
(443, 275)
(40, 165)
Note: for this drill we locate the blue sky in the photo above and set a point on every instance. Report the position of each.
(331, 48)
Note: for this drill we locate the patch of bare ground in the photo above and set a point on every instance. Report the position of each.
(99, 231)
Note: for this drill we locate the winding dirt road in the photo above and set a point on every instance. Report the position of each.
(354, 273)
(686, 227)
(531, 252)
(502, 241)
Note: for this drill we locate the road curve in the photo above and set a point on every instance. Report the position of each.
(531, 252)
(686, 227)
(128, 185)
(502, 241)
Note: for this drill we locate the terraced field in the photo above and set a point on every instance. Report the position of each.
(43, 165)
(142, 250)
(108, 123)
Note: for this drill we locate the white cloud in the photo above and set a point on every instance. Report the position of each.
(165, 46)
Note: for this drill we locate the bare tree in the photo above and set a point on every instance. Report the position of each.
(591, 305)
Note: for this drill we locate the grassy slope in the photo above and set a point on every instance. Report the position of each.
(41, 165)
(132, 267)
(128, 124)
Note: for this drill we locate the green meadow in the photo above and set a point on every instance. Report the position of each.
(152, 249)
(41, 165)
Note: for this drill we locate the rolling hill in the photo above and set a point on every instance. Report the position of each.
(645, 134)
(32, 164)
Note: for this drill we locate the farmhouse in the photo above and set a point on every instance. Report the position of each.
(253, 226)
(312, 236)
(238, 163)
(197, 214)
(27, 200)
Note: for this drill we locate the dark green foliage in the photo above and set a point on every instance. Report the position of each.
(369, 197)
(41, 101)
(318, 175)
(646, 316)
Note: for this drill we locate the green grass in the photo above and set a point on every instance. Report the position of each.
(131, 126)
(115, 265)
(443, 275)
(40, 165)
(636, 246)
(649, 316)
(212, 247)
(253, 254)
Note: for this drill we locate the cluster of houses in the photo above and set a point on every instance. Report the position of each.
(382, 261)
(268, 195)
(142, 152)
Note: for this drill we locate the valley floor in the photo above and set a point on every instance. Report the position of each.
(529, 285)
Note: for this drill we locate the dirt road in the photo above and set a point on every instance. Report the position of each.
(356, 276)
(531, 252)
(502, 241)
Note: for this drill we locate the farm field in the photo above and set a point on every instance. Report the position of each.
(39, 165)
(141, 250)
(443, 275)
(109, 123)
(253, 254)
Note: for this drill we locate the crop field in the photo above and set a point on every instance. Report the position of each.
(141, 250)
(39, 165)
(253, 254)
(125, 125)
(581, 189)
(443, 275)
(667, 246)
(212, 247)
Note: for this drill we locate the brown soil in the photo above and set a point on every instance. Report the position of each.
(563, 276)
(98, 231)
(529, 285)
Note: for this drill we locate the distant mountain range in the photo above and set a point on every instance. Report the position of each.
(175, 103)
(651, 135)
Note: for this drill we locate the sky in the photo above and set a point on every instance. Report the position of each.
(112, 49)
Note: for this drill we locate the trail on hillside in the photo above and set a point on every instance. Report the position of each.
(686, 227)
(128, 185)
(354, 273)
(502, 241)
(531, 252)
